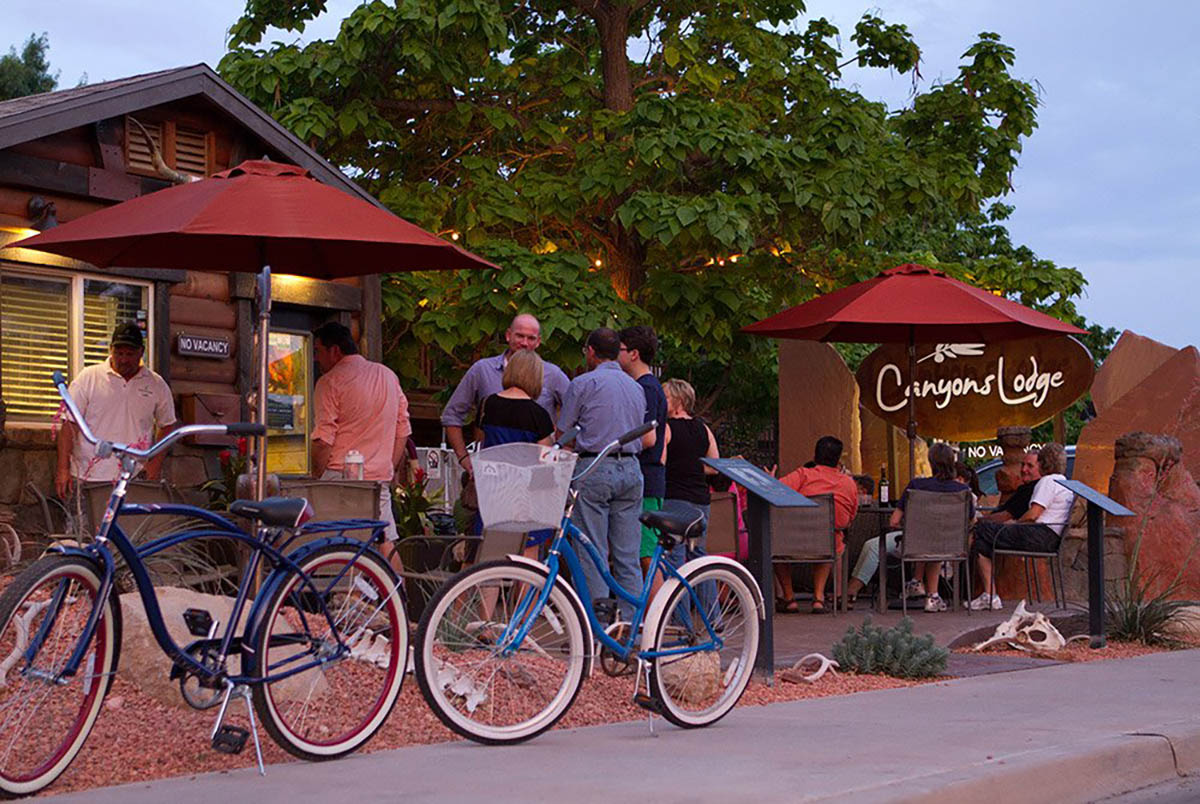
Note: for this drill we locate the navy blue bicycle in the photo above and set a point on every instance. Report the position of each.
(504, 647)
(319, 652)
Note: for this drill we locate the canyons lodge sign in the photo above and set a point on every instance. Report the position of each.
(964, 391)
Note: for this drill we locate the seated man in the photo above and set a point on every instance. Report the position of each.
(1018, 503)
(1038, 529)
(945, 478)
(823, 477)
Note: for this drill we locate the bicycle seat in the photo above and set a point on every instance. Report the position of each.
(682, 522)
(282, 512)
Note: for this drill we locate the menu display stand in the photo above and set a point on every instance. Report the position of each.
(1097, 504)
(764, 492)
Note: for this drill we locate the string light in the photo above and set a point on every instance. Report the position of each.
(598, 262)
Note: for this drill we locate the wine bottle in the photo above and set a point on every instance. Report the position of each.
(883, 484)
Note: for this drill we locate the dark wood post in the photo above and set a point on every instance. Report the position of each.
(1095, 526)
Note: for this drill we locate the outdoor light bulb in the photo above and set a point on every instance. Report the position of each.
(599, 262)
(733, 258)
(454, 235)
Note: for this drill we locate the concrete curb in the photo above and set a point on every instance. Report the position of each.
(1087, 771)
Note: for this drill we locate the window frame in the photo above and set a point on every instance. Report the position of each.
(74, 281)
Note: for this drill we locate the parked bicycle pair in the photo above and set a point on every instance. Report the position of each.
(504, 647)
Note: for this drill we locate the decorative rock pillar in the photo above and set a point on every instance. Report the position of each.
(1149, 478)
(1014, 441)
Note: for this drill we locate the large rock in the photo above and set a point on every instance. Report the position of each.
(1166, 401)
(1150, 479)
(145, 665)
(817, 396)
(1132, 359)
(875, 452)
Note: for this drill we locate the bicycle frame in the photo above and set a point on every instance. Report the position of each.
(561, 549)
(134, 556)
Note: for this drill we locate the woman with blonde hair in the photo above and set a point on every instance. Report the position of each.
(688, 439)
(513, 415)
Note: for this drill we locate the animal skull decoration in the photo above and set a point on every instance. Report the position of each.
(1025, 630)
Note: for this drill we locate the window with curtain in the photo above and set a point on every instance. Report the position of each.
(58, 323)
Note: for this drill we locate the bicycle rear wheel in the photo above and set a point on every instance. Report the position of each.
(330, 709)
(44, 723)
(474, 679)
(700, 687)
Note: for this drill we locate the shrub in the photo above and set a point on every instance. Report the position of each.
(892, 651)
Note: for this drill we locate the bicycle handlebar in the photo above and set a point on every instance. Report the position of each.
(105, 449)
(620, 440)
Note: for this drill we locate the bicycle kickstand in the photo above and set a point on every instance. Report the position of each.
(232, 739)
(645, 700)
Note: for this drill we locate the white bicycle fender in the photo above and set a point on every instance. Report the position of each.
(589, 644)
(659, 604)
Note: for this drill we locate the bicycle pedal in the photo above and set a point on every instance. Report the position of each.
(230, 739)
(648, 702)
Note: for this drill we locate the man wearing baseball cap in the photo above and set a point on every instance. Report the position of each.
(123, 402)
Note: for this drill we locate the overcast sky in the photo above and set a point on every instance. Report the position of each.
(1106, 184)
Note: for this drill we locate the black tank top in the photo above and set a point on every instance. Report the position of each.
(685, 473)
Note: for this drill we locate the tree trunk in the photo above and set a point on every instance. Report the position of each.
(627, 268)
(612, 21)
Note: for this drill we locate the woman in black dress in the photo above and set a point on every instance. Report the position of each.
(688, 440)
(513, 415)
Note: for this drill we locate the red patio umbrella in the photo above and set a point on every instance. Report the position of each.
(251, 218)
(910, 304)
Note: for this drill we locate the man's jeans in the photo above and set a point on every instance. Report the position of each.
(607, 509)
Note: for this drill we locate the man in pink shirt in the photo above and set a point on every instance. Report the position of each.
(823, 477)
(359, 406)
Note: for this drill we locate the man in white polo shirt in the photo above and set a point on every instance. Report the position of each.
(123, 402)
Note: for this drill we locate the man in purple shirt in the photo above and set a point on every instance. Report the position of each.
(484, 379)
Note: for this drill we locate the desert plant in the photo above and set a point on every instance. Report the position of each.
(892, 651)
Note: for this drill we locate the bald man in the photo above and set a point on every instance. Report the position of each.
(483, 379)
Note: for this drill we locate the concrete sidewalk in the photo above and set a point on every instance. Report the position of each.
(1070, 732)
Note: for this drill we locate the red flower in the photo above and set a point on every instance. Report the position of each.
(225, 457)
(243, 445)
(419, 476)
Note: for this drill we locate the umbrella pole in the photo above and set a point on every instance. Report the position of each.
(912, 404)
(264, 330)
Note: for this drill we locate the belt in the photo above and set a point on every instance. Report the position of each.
(609, 455)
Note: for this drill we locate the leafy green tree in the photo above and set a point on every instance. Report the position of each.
(27, 72)
(700, 162)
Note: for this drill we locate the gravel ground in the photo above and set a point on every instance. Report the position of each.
(138, 739)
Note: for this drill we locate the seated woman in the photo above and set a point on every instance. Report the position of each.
(945, 479)
(513, 415)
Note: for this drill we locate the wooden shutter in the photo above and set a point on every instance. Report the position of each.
(137, 151)
(34, 318)
(191, 152)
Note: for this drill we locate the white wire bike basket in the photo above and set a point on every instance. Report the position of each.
(522, 487)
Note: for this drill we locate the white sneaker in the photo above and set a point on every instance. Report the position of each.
(985, 602)
(981, 603)
(935, 603)
(914, 588)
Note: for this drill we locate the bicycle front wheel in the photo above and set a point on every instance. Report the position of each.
(698, 687)
(340, 699)
(45, 719)
(474, 675)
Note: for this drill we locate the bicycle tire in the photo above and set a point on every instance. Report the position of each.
(737, 625)
(294, 624)
(33, 591)
(439, 639)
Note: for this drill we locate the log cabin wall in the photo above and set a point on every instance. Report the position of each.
(83, 168)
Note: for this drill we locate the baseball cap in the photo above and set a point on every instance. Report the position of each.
(127, 334)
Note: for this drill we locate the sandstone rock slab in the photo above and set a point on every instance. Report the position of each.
(1132, 359)
(817, 396)
(1166, 401)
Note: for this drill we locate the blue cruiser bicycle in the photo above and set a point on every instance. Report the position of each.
(504, 647)
(320, 656)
